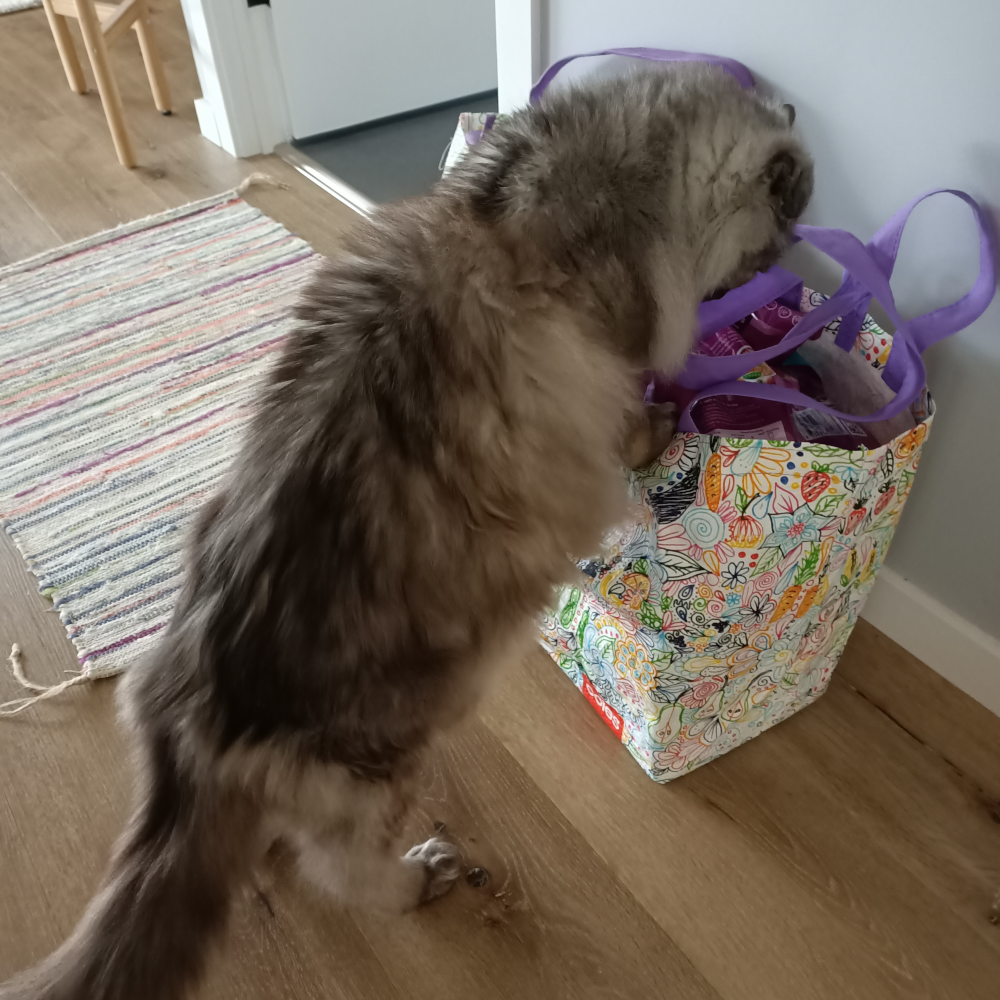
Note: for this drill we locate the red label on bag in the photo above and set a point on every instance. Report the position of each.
(604, 710)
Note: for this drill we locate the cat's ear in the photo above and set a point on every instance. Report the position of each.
(789, 181)
(789, 110)
(495, 174)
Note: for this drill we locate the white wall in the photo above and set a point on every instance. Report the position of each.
(893, 98)
(346, 63)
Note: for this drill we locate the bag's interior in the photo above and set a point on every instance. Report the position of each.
(853, 385)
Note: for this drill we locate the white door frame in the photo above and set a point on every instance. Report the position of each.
(518, 50)
(242, 107)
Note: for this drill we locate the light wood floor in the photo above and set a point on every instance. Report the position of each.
(852, 852)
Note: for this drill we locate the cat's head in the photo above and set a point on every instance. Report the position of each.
(747, 179)
(741, 178)
(679, 172)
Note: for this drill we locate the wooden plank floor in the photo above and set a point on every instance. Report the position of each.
(851, 852)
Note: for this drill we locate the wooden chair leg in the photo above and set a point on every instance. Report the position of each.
(67, 52)
(93, 38)
(151, 59)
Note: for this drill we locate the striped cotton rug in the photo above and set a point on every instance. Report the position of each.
(127, 365)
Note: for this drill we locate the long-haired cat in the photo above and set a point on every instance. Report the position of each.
(445, 429)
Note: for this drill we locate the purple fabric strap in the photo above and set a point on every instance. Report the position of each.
(769, 286)
(867, 270)
(731, 66)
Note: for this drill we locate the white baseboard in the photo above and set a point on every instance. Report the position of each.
(206, 120)
(959, 651)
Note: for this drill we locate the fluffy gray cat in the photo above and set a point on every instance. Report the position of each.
(446, 426)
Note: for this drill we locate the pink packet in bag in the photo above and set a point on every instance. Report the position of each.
(765, 327)
(824, 428)
(728, 342)
(776, 317)
(745, 417)
(749, 417)
(740, 416)
(725, 343)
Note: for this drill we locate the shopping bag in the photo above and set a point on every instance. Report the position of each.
(724, 607)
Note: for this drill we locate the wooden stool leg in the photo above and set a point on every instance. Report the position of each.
(151, 58)
(93, 38)
(67, 53)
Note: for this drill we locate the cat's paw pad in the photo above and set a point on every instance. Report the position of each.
(441, 863)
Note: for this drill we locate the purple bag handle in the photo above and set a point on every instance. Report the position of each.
(933, 326)
(768, 286)
(867, 270)
(731, 66)
(700, 372)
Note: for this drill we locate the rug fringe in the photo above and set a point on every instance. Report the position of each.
(43, 691)
(259, 180)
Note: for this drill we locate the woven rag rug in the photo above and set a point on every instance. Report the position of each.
(128, 362)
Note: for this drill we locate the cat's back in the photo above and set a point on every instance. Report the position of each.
(357, 533)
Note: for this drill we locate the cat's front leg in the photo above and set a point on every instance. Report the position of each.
(371, 874)
(348, 844)
(649, 433)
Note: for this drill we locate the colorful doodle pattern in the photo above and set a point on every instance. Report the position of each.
(725, 609)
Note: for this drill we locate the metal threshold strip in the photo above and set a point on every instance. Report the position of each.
(322, 177)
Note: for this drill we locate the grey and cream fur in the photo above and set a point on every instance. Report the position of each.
(445, 429)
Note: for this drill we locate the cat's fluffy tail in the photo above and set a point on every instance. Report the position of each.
(146, 934)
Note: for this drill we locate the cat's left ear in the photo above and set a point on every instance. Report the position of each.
(789, 181)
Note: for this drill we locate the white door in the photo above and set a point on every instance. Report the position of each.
(350, 61)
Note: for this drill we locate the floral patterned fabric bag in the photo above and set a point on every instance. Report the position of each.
(725, 607)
